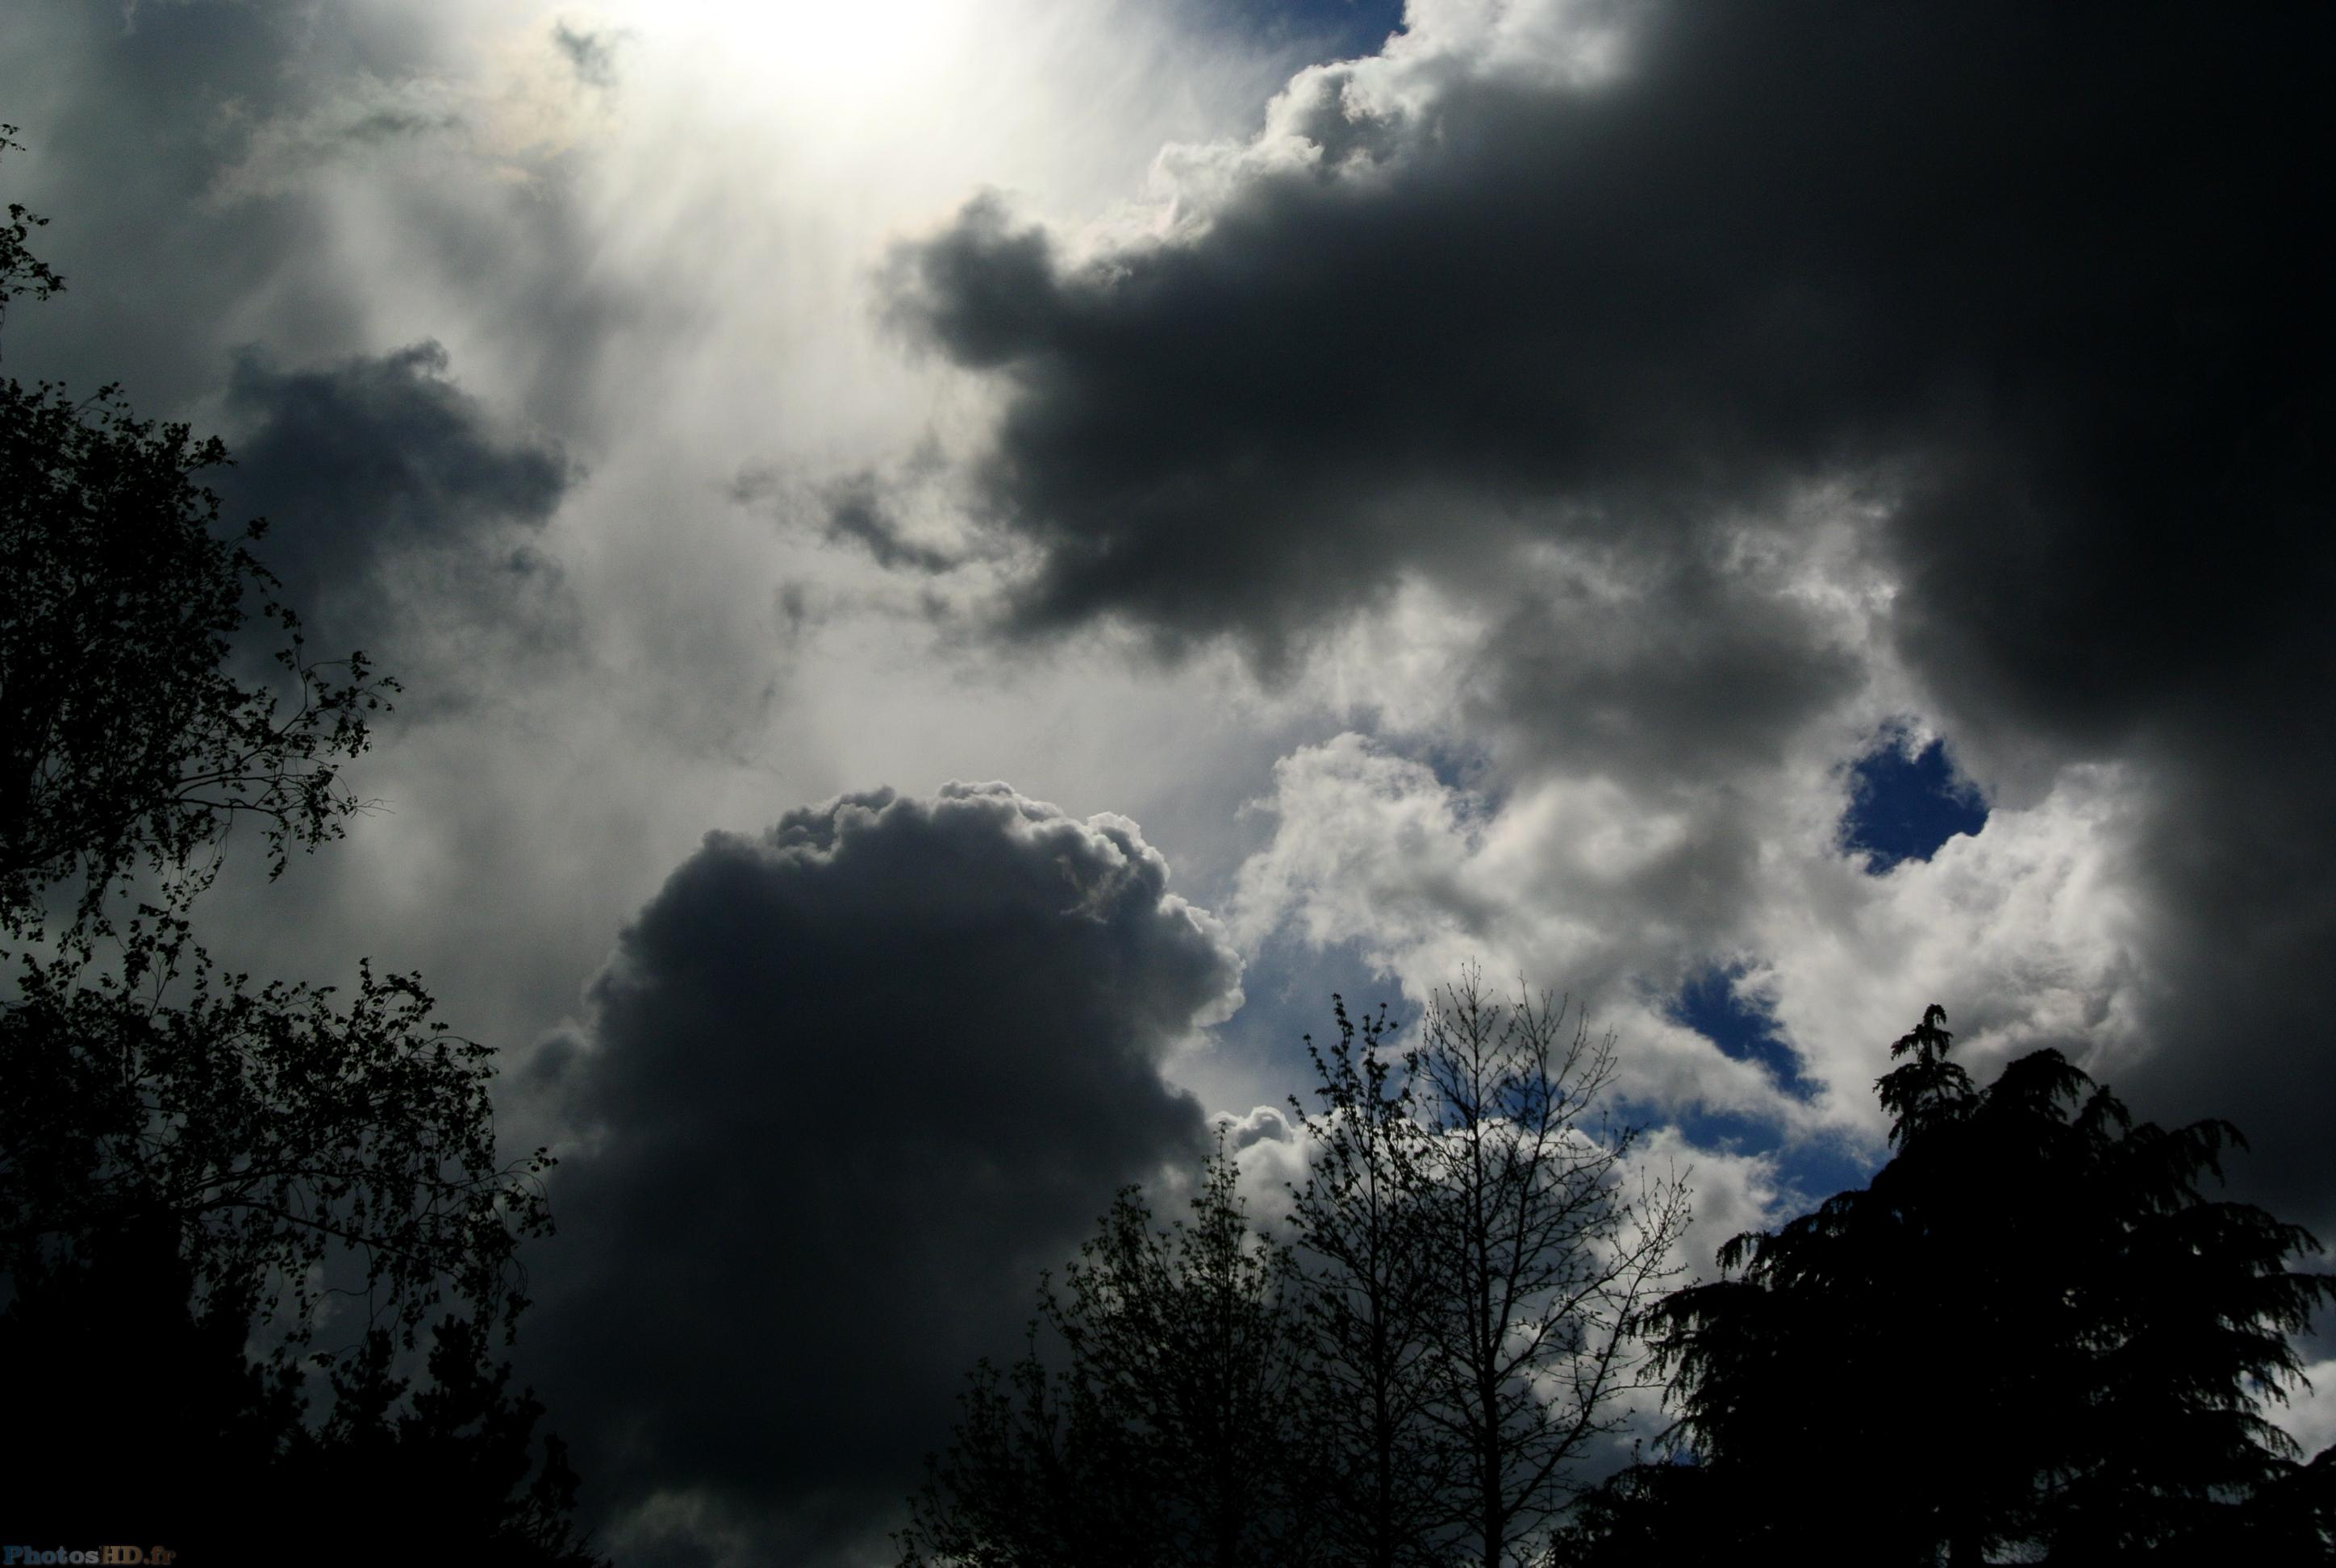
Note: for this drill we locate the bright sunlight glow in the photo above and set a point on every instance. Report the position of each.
(837, 57)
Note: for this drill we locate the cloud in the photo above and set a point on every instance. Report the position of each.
(1594, 297)
(1753, 249)
(232, 173)
(857, 512)
(1616, 414)
(590, 54)
(862, 511)
(1578, 886)
(2310, 1416)
(1620, 896)
(845, 1088)
(1728, 1193)
(366, 115)
(398, 514)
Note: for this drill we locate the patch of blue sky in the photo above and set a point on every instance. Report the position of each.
(1286, 990)
(1808, 1169)
(1906, 800)
(1321, 29)
(1464, 769)
(1716, 1006)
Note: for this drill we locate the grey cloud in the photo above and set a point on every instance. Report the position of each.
(888, 513)
(1985, 255)
(846, 1086)
(590, 54)
(857, 512)
(1681, 669)
(2239, 854)
(177, 159)
(377, 468)
(2039, 282)
(127, 129)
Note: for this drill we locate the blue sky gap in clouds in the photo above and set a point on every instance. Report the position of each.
(1338, 29)
(1716, 1005)
(1906, 801)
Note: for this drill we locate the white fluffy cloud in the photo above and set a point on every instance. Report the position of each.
(1587, 885)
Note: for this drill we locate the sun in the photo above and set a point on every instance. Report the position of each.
(831, 56)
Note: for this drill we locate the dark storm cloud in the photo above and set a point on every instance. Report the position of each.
(2240, 845)
(2042, 268)
(2044, 285)
(1681, 669)
(847, 1086)
(377, 475)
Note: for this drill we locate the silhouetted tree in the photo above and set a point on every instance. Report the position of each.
(293, 1146)
(1675, 1514)
(22, 272)
(1376, 1462)
(128, 744)
(2032, 1329)
(1417, 1388)
(194, 1169)
(1542, 1254)
(154, 1427)
(1149, 1426)
(139, 1087)
(461, 1444)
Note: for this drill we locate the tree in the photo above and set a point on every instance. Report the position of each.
(1158, 1434)
(22, 272)
(1542, 1255)
(2031, 1329)
(153, 1425)
(235, 1163)
(1413, 1380)
(128, 744)
(292, 1147)
(269, 1128)
(1368, 1309)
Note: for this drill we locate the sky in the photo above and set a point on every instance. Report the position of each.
(958, 566)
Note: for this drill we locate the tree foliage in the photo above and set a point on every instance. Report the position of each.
(1543, 1257)
(1370, 1309)
(1474, 1260)
(155, 1427)
(297, 1149)
(20, 271)
(1146, 1425)
(128, 743)
(1413, 1378)
(2033, 1330)
(273, 1130)
(200, 1175)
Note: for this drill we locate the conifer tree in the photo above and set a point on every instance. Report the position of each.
(2033, 1330)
